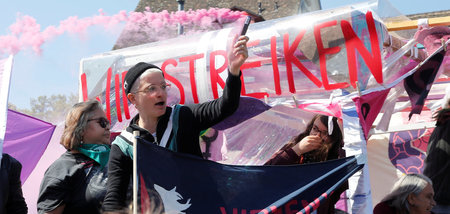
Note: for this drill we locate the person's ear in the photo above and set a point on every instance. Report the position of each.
(131, 98)
(411, 199)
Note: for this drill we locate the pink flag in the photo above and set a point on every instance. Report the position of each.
(368, 106)
(330, 109)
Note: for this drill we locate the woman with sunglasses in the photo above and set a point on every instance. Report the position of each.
(314, 145)
(76, 181)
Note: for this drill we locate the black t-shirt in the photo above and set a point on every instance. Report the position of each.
(75, 181)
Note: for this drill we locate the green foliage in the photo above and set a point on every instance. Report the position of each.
(52, 109)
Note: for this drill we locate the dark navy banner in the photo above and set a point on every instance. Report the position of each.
(178, 183)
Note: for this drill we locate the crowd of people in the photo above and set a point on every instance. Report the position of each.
(93, 175)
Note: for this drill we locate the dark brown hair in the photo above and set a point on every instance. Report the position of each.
(331, 147)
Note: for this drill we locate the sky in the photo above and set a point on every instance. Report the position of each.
(54, 69)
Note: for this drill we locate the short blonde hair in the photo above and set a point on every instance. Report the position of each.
(76, 123)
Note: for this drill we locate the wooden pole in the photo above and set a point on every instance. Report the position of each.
(408, 25)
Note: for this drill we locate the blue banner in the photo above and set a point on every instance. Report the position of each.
(179, 183)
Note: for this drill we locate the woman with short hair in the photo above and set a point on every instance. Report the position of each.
(76, 181)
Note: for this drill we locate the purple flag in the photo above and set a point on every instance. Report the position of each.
(26, 139)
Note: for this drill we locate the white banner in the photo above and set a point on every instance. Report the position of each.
(5, 77)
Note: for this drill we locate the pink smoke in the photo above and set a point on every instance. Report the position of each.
(148, 27)
(26, 33)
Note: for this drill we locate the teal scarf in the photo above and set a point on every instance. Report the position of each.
(97, 152)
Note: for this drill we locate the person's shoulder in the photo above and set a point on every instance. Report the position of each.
(10, 163)
(383, 208)
(10, 159)
(182, 110)
(66, 163)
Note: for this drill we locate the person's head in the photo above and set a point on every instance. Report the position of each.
(443, 115)
(331, 143)
(146, 88)
(85, 123)
(412, 193)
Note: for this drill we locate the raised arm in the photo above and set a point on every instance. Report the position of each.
(210, 113)
(237, 54)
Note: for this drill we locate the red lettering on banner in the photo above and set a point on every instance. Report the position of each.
(287, 207)
(248, 65)
(117, 92)
(223, 211)
(191, 60)
(290, 58)
(276, 71)
(214, 72)
(84, 86)
(323, 56)
(124, 98)
(275, 210)
(107, 93)
(353, 43)
(173, 79)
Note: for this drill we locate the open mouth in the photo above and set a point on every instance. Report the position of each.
(160, 103)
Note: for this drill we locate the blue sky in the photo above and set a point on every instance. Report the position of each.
(55, 71)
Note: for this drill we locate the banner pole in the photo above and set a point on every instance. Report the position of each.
(5, 79)
(135, 192)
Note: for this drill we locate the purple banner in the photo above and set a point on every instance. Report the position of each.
(26, 139)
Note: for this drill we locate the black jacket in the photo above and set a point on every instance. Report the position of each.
(11, 197)
(192, 120)
(437, 163)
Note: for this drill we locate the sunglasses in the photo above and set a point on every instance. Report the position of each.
(103, 122)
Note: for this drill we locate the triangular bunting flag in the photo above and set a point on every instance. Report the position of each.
(418, 85)
(368, 106)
